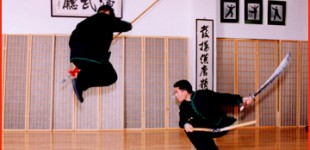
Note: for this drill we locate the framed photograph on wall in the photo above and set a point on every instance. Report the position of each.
(253, 11)
(83, 8)
(229, 11)
(204, 54)
(276, 12)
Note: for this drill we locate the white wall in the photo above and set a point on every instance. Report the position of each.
(296, 27)
(167, 17)
(200, 9)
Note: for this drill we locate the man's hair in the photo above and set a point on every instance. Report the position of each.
(184, 85)
(105, 8)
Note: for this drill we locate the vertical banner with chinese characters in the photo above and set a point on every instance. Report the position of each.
(83, 8)
(204, 54)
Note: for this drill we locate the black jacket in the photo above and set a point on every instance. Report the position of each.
(92, 37)
(205, 109)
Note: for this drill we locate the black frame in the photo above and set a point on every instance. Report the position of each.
(79, 9)
(250, 16)
(274, 19)
(209, 50)
(225, 10)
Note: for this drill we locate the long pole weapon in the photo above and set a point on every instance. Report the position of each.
(74, 71)
(226, 128)
(141, 14)
(275, 75)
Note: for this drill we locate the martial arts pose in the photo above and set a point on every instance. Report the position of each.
(203, 109)
(89, 44)
(276, 13)
(254, 11)
(230, 11)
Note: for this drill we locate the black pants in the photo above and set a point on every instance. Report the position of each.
(204, 140)
(94, 74)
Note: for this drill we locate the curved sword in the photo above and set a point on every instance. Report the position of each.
(275, 75)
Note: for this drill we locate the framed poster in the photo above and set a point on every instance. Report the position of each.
(204, 54)
(253, 11)
(229, 11)
(276, 12)
(83, 8)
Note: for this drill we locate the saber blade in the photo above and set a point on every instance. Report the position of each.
(275, 75)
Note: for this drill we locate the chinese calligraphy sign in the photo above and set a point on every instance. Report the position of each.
(204, 54)
(83, 8)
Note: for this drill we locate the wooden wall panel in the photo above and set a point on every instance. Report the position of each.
(87, 113)
(288, 85)
(133, 82)
(246, 56)
(267, 99)
(36, 99)
(41, 82)
(225, 69)
(154, 82)
(284, 102)
(63, 110)
(177, 69)
(112, 101)
(15, 82)
(304, 83)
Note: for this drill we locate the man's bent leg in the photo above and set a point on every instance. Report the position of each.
(202, 140)
(102, 75)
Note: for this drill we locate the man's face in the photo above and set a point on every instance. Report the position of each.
(180, 95)
(107, 12)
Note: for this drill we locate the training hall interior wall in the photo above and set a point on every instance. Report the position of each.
(165, 18)
(35, 60)
(244, 65)
(34, 97)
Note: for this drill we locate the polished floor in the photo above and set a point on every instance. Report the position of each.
(249, 138)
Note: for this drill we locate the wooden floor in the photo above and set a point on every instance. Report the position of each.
(250, 138)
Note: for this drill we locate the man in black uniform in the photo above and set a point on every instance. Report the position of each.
(203, 109)
(89, 44)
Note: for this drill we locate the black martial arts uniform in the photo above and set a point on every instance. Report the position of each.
(89, 44)
(205, 111)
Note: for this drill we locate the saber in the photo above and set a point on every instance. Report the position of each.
(225, 128)
(275, 74)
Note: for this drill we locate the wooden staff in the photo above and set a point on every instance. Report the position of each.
(134, 20)
(225, 128)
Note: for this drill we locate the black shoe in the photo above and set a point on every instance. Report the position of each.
(78, 92)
